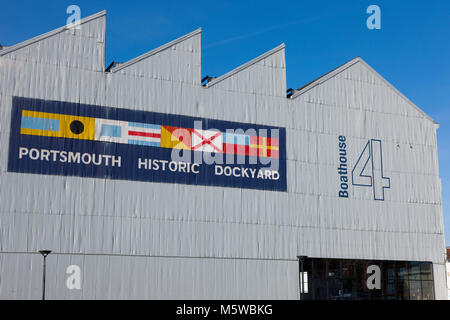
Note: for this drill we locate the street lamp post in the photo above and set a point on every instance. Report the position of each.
(301, 259)
(44, 253)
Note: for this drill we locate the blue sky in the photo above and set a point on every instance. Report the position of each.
(412, 49)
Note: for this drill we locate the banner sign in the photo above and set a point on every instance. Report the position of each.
(69, 139)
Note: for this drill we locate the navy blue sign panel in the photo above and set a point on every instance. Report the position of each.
(69, 139)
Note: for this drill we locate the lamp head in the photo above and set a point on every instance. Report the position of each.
(45, 252)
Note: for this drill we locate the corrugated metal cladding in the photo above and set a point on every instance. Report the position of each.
(164, 240)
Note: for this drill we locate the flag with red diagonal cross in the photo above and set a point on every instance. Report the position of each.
(207, 141)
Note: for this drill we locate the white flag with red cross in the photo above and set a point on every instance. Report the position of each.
(207, 141)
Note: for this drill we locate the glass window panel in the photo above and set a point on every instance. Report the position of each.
(376, 294)
(320, 289)
(334, 268)
(362, 293)
(391, 288)
(319, 268)
(361, 269)
(414, 271)
(427, 290)
(334, 289)
(350, 289)
(415, 290)
(390, 297)
(347, 269)
(402, 270)
(389, 270)
(335, 279)
(426, 271)
(403, 290)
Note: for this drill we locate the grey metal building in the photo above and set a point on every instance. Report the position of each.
(358, 183)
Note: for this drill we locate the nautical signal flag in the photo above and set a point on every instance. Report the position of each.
(57, 125)
(264, 147)
(128, 132)
(144, 134)
(111, 130)
(176, 138)
(153, 135)
(207, 141)
(236, 143)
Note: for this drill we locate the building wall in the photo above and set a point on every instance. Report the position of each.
(447, 268)
(157, 240)
(147, 277)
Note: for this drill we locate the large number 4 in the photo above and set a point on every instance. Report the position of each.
(368, 170)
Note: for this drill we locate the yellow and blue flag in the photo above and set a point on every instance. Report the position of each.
(57, 125)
